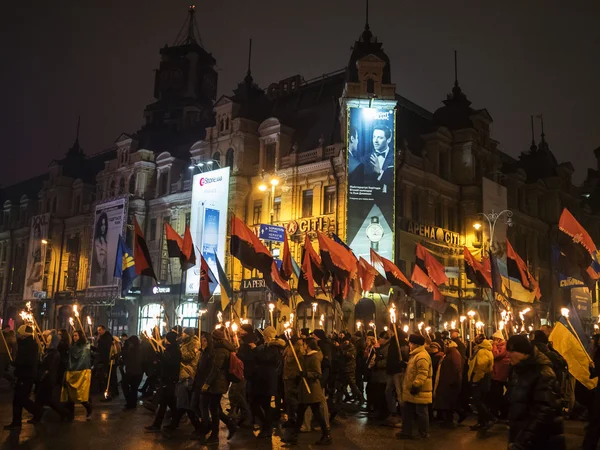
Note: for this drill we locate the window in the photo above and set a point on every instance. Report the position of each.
(148, 315)
(164, 183)
(187, 315)
(270, 156)
(276, 208)
(257, 212)
(439, 215)
(329, 200)
(121, 186)
(77, 204)
(216, 157)
(112, 188)
(452, 218)
(54, 205)
(307, 201)
(370, 86)
(152, 229)
(415, 207)
(442, 167)
(229, 158)
(132, 184)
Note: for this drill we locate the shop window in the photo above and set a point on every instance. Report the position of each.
(329, 200)
(150, 315)
(257, 212)
(307, 203)
(257, 315)
(187, 315)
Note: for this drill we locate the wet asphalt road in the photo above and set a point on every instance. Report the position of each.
(112, 428)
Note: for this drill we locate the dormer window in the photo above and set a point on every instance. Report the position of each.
(270, 150)
(163, 183)
(370, 86)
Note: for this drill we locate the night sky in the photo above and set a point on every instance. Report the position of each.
(96, 58)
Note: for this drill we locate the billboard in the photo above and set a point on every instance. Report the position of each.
(371, 144)
(36, 257)
(109, 219)
(208, 223)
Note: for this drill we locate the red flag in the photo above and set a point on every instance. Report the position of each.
(278, 286)
(246, 247)
(321, 277)
(208, 281)
(306, 282)
(431, 266)
(336, 258)
(516, 266)
(370, 278)
(426, 292)
(287, 269)
(141, 254)
(475, 271)
(393, 274)
(174, 241)
(187, 249)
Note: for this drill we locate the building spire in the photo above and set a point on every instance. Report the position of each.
(248, 78)
(189, 33)
(456, 90)
(366, 34)
(367, 15)
(533, 147)
(77, 134)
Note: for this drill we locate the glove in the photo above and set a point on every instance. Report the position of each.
(414, 390)
(303, 374)
(205, 388)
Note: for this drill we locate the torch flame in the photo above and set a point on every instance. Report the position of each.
(405, 328)
(314, 307)
(564, 312)
(358, 324)
(75, 311)
(71, 321)
(28, 306)
(271, 307)
(220, 316)
(463, 318)
(234, 327)
(89, 320)
(420, 325)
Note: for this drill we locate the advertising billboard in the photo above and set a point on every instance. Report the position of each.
(208, 223)
(109, 219)
(371, 144)
(36, 257)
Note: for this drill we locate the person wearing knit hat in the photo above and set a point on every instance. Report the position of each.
(416, 339)
(189, 331)
(481, 367)
(535, 410)
(246, 328)
(497, 400)
(269, 333)
(219, 333)
(498, 335)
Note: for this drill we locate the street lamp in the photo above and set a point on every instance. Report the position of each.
(263, 186)
(477, 226)
(492, 219)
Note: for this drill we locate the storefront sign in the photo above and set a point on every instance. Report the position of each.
(434, 233)
(161, 290)
(253, 284)
(305, 225)
(166, 289)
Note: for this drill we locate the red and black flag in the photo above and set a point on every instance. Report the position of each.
(278, 285)
(577, 246)
(431, 266)
(516, 267)
(174, 241)
(141, 255)
(187, 250)
(246, 247)
(337, 258)
(393, 274)
(287, 268)
(370, 278)
(426, 292)
(476, 272)
(306, 281)
(320, 275)
(208, 281)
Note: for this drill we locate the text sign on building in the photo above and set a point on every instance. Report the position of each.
(271, 233)
(371, 144)
(208, 224)
(253, 284)
(434, 233)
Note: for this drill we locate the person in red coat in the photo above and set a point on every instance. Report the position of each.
(446, 394)
(497, 400)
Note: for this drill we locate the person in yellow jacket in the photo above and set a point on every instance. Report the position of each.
(481, 366)
(417, 389)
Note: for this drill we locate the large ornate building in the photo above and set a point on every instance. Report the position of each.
(448, 170)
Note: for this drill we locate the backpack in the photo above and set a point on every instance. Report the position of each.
(235, 369)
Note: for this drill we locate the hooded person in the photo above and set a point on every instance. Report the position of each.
(448, 383)
(78, 375)
(47, 388)
(269, 361)
(133, 370)
(417, 389)
(500, 373)
(241, 391)
(347, 374)
(291, 379)
(535, 419)
(481, 366)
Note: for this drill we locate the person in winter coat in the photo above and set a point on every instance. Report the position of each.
(26, 363)
(133, 366)
(435, 352)
(291, 380)
(78, 375)
(396, 365)
(417, 389)
(559, 364)
(500, 373)
(359, 343)
(269, 358)
(592, 432)
(448, 383)
(481, 366)
(6, 350)
(216, 384)
(311, 372)
(64, 344)
(47, 388)
(239, 392)
(347, 374)
(150, 366)
(535, 420)
(190, 353)
(170, 365)
(103, 352)
(378, 378)
(455, 337)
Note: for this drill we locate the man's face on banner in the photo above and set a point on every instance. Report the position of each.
(380, 142)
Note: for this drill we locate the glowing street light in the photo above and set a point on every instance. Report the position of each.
(477, 226)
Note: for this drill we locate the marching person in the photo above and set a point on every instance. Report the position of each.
(102, 357)
(500, 374)
(481, 366)
(241, 391)
(347, 375)
(26, 363)
(378, 379)
(417, 389)
(291, 377)
(8, 348)
(47, 389)
(535, 420)
(78, 375)
(447, 387)
(132, 362)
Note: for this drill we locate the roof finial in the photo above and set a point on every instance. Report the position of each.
(77, 135)
(533, 147)
(249, 72)
(367, 15)
(193, 35)
(190, 36)
(455, 68)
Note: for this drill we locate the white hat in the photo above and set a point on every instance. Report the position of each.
(498, 335)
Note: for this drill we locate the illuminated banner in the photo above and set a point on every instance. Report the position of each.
(36, 257)
(210, 193)
(371, 164)
(109, 219)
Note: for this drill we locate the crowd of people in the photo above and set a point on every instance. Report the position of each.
(297, 382)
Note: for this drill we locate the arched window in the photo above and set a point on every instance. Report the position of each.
(112, 188)
(370, 86)
(217, 157)
(187, 315)
(121, 186)
(229, 158)
(164, 183)
(148, 315)
(132, 184)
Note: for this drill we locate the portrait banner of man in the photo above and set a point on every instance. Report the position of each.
(371, 147)
(109, 219)
(36, 257)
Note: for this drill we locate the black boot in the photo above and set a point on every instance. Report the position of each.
(325, 438)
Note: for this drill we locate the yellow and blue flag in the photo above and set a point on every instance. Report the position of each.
(124, 266)
(226, 290)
